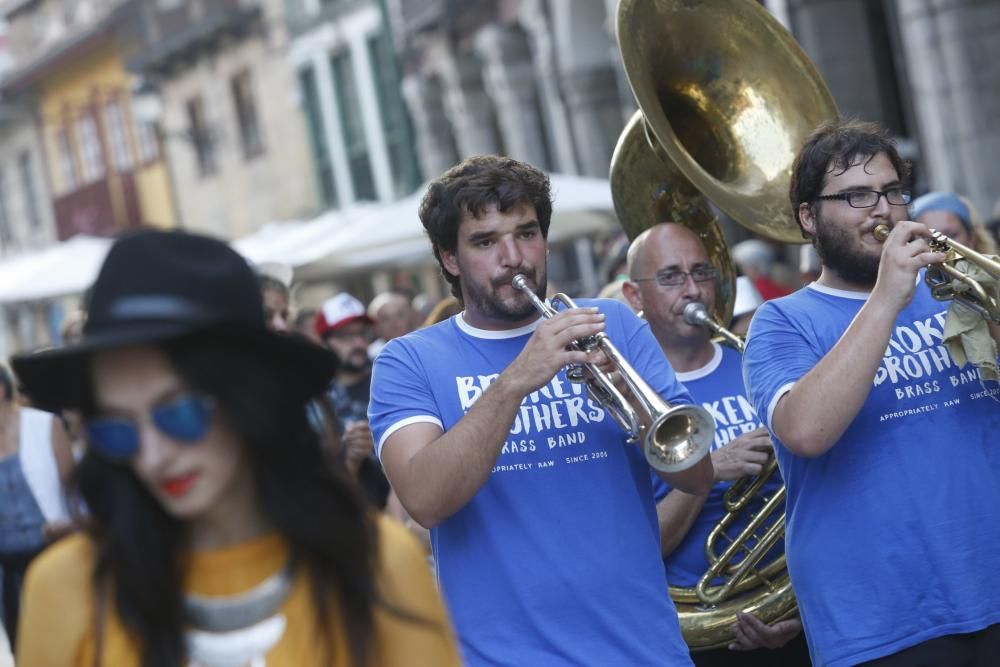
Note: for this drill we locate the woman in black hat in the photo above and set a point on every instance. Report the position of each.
(215, 533)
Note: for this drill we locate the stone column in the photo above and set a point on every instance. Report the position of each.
(468, 106)
(588, 80)
(951, 58)
(595, 116)
(435, 143)
(839, 39)
(534, 16)
(510, 80)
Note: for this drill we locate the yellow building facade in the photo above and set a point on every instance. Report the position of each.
(105, 166)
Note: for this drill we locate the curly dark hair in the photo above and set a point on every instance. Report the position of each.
(836, 146)
(472, 187)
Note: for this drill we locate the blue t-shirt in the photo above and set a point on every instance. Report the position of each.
(555, 561)
(893, 534)
(718, 387)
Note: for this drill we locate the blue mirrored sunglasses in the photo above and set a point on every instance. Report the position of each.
(186, 419)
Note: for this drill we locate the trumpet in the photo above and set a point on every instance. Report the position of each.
(974, 295)
(675, 439)
(696, 314)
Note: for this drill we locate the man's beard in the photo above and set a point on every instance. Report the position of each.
(844, 255)
(355, 363)
(488, 304)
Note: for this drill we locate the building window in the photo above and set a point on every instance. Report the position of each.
(114, 121)
(392, 114)
(67, 165)
(24, 167)
(201, 138)
(91, 158)
(241, 88)
(6, 235)
(148, 136)
(353, 127)
(317, 137)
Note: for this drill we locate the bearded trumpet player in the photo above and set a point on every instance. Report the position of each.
(671, 276)
(888, 448)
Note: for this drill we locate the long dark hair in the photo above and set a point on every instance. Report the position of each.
(311, 504)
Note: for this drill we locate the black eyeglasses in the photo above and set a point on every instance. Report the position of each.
(869, 198)
(700, 274)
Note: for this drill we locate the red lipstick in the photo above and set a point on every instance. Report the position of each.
(178, 486)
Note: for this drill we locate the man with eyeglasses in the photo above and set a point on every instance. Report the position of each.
(668, 269)
(344, 326)
(888, 448)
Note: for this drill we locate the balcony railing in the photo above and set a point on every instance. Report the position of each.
(101, 208)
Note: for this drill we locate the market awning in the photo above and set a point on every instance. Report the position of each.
(357, 238)
(375, 235)
(59, 270)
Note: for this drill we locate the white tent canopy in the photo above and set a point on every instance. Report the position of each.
(352, 239)
(391, 234)
(58, 270)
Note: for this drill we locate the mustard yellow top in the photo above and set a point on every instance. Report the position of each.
(58, 627)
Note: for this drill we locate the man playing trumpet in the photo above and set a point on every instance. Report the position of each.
(541, 514)
(888, 449)
(669, 270)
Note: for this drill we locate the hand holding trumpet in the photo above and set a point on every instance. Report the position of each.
(905, 251)
(942, 254)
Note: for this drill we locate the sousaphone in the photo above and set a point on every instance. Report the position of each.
(726, 97)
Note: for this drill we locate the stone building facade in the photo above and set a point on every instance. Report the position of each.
(541, 79)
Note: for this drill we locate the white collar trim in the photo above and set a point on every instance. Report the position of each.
(502, 334)
(707, 369)
(843, 293)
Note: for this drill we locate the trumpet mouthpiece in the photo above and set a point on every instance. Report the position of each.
(881, 232)
(695, 313)
(519, 281)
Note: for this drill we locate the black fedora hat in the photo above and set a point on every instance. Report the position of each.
(159, 285)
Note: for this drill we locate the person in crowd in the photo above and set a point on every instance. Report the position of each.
(304, 324)
(442, 310)
(275, 280)
(755, 259)
(72, 332)
(393, 315)
(747, 301)
(36, 461)
(275, 287)
(613, 290)
(215, 532)
(72, 326)
(809, 264)
(954, 216)
(345, 328)
(887, 448)
(541, 512)
(669, 268)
